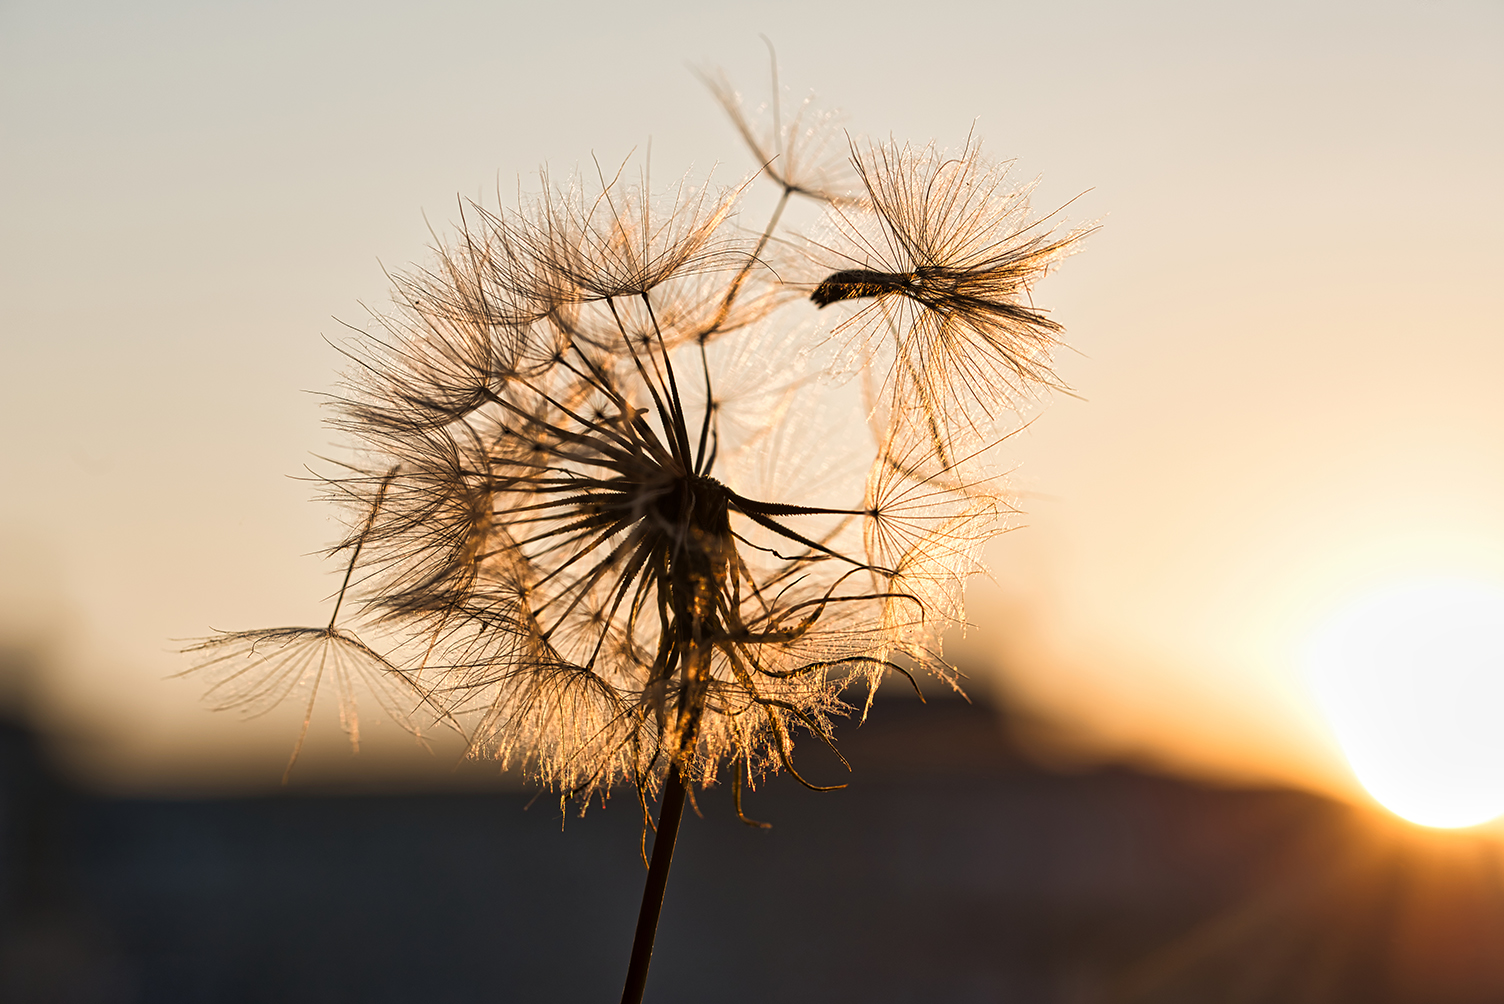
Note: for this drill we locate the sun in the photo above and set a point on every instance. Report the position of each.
(1411, 679)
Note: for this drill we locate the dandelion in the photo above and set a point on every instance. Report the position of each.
(608, 518)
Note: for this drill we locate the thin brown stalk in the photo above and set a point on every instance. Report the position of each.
(670, 812)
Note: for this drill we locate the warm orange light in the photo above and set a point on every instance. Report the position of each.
(1412, 680)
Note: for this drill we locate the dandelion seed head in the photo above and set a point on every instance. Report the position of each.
(611, 517)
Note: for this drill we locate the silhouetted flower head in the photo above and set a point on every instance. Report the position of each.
(608, 518)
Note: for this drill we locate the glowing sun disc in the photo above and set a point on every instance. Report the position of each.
(1412, 680)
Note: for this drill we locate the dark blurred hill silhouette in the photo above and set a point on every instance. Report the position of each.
(951, 869)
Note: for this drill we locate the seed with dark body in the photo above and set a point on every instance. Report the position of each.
(853, 284)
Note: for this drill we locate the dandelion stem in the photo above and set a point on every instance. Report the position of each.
(671, 811)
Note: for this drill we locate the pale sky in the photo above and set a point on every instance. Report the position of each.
(1287, 332)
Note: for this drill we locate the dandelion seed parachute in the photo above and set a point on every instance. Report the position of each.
(806, 155)
(254, 671)
(944, 256)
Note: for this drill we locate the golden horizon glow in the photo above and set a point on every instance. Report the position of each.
(1411, 679)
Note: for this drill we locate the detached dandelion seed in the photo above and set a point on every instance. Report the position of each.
(608, 517)
(939, 264)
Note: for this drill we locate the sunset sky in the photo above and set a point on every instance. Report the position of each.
(1286, 336)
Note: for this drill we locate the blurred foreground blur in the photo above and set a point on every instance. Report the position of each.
(951, 869)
